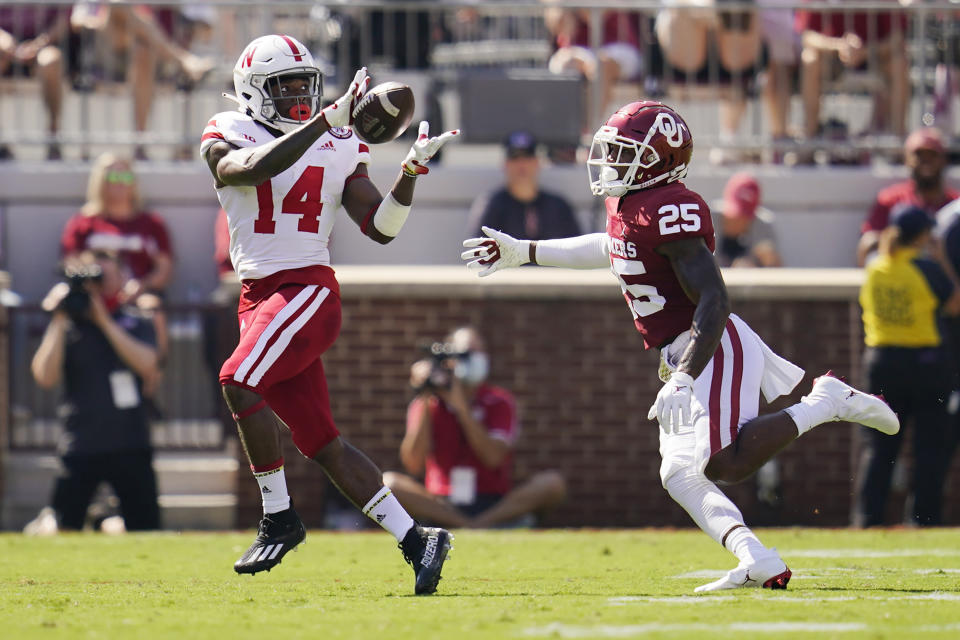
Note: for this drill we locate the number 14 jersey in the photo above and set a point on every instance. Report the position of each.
(636, 225)
(285, 222)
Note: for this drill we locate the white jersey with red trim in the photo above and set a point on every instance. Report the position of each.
(284, 223)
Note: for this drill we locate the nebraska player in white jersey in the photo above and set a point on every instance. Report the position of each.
(282, 168)
(659, 243)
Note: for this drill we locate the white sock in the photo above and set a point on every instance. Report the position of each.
(273, 489)
(709, 507)
(810, 412)
(744, 544)
(385, 510)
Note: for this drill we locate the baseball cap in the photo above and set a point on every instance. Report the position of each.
(911, 220)
(741, 196)
(520, 144)
(925, 138)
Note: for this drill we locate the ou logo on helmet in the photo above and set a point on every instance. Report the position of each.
(670, 128)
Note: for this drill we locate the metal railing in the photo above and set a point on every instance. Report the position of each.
(445, 41)
(187, 411)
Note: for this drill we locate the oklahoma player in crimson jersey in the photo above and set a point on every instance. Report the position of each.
(282, 167)
(659, 244)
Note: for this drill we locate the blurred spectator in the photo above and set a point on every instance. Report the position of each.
(461, 433)
(745, 236)
(925, 156)
(113, 218)
(782, 45)
(906, 362)
(29, 43)
(685, 35)
(618, 59)
(856, 40)
(521, 208)
(125, 41)
(101, 350)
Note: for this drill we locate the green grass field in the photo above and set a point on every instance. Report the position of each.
(549, 584)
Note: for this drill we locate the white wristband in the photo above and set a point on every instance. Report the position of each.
(390, 216)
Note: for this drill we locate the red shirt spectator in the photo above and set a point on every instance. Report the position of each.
(869, 26)
(900, 193)
(618, 26)
(496, 410)
(221, 247)
(114, 218)
(138, 240)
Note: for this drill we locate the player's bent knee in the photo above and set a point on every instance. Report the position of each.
(554, 485)
(239, 398)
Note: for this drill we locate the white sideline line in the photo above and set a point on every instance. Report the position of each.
(705, 599)
(818, 572)
(869, 553)
(558, 629)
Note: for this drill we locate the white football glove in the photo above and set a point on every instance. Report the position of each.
(340, 113)
(495, 252)
(672, 409)
(423, 149)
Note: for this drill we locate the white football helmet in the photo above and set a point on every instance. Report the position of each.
(263, 63)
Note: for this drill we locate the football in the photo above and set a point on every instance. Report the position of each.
(384, 112)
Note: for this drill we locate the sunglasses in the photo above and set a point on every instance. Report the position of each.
(120, 177)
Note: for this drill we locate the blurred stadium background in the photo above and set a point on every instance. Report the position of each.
(561, 341)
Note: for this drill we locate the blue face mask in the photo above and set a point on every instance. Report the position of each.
(473, 367)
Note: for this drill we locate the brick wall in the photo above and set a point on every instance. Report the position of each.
(583, 383)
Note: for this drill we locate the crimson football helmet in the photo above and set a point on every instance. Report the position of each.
(265, 62)
(643, 144)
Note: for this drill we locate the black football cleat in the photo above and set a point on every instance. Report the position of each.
(278, 534)
(425, 549)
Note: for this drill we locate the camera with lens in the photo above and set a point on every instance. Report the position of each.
(441, 373)
(77, 301)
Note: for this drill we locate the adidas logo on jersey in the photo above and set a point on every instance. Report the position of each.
(327, 146)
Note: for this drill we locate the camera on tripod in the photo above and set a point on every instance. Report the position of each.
(441, 372)
(77, 301)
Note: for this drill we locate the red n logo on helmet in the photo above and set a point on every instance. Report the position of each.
(247, 57)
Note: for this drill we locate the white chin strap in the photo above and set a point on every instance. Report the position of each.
(610, 182)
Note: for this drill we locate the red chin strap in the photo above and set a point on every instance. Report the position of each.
(299, 112)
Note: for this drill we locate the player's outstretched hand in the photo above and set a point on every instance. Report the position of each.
(415, 164)
(672, 407)
(496, 251)
(340, 113)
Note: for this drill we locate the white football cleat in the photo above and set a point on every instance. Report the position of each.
(769, 572)
(855, 406)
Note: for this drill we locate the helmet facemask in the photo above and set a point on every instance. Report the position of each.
(615, 161)
(287, 113)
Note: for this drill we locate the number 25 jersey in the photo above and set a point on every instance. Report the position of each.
(636, 225)
(285, 222)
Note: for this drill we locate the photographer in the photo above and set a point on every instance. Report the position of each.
(101, 351)
(460, 435)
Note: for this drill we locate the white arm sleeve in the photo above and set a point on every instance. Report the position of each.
(581, 252)
(390, 216)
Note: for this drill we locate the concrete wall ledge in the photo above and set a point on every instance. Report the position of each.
(430, 282)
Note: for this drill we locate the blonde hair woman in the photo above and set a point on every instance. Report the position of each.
(113, 218)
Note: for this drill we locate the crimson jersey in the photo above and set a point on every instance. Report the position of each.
(636, 225)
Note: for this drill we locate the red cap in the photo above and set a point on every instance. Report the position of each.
(926, 138)
(741, 196)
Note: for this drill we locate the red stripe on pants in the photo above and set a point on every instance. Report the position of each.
(737, 379)
(716, 383)
(276, 334)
